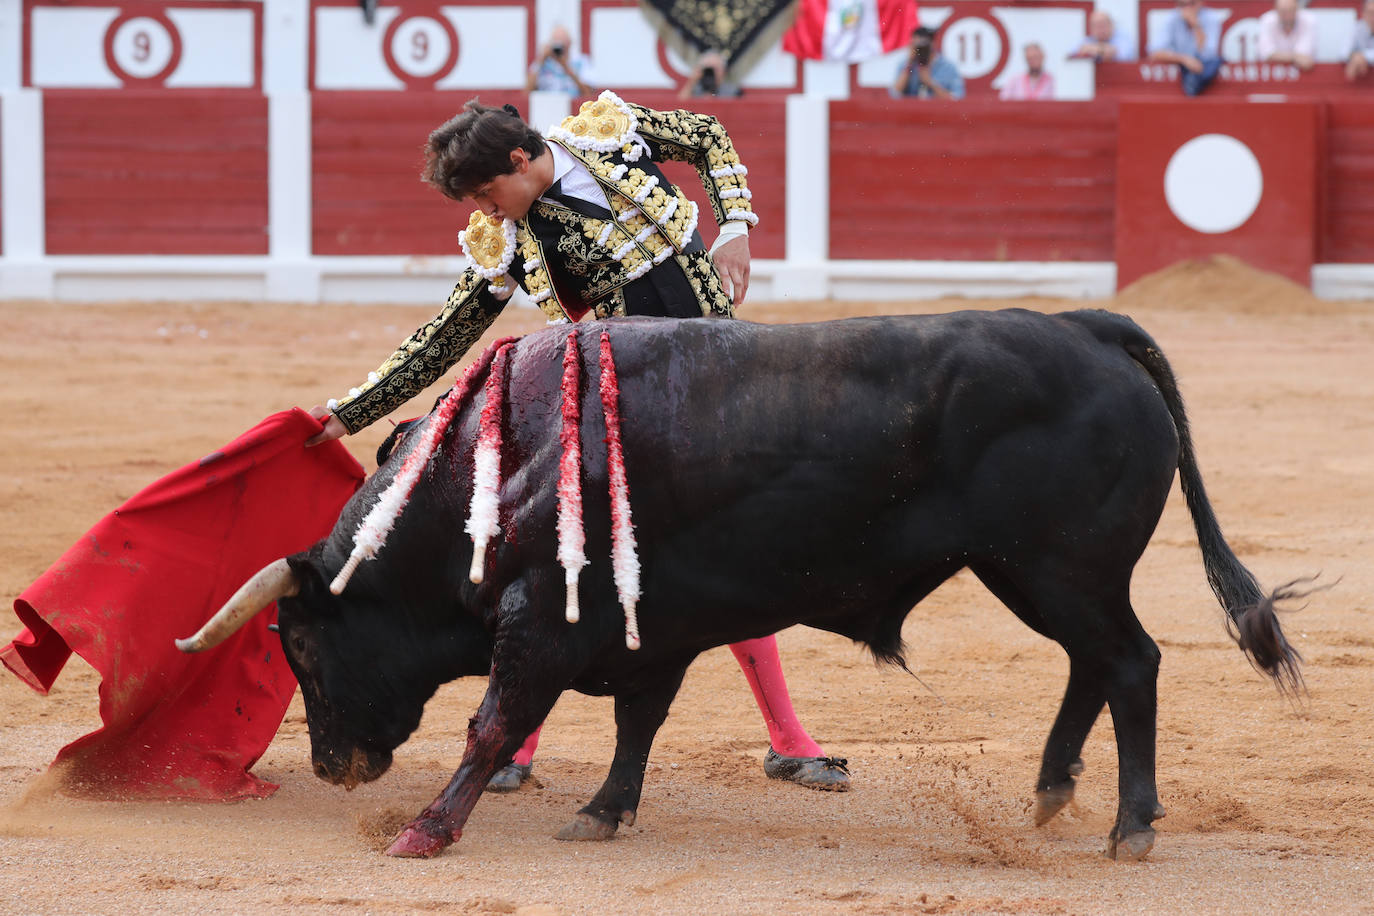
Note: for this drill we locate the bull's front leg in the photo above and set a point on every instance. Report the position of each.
(638, 717)
(515, 704)
(494, 733)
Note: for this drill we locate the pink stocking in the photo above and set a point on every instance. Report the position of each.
(525, 755)
(758, 658)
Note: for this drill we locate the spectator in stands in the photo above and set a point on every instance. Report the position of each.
(1036, 84)
(1103, 42)
(559, 68)
(1361, 58)
(926, 73)
(1288, 35)
(708, 78)
(1192, 39)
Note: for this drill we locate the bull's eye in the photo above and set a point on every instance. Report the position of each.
(298, 643)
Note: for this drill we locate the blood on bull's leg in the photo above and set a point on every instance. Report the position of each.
(516, 703)
(638, 717)
(492, 739)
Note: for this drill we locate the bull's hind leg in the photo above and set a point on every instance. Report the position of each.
(1109, 654)
(638, 716)
(1131, 695)
(1111, 660)
(1062, 762)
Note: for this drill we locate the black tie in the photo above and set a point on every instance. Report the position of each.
(576, 204)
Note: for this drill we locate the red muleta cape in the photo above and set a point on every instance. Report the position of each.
(175, 725)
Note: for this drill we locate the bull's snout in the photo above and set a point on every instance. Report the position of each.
(360, 766)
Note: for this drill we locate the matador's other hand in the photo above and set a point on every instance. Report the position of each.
(732, 262)
(333, 426)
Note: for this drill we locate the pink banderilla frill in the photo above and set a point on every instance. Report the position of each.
(624, 559)
(485, 510)
(572, 539)
(376, 525)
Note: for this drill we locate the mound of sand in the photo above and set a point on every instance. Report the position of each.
(1219, 283)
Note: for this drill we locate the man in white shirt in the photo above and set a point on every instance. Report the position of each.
(1288, 35)
(1104, 43)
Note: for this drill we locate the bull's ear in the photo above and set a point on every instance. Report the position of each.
(309, 570)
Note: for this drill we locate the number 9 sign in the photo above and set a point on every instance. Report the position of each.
(143, 48)
(420, 50)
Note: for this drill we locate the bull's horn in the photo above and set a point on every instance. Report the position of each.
(276, 580)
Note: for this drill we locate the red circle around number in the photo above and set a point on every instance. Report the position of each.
(671, 71)
(997, 27)
(157, 79)
(421, 82)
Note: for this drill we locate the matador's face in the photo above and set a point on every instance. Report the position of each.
(511, 196)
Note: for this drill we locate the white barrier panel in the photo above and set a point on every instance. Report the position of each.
(449, 47)
(205, 45)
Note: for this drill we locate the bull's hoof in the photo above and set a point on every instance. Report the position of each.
(509, 778)
(830, 774)
(586, 827)
(415, 843)
(1132, 847)
(1049, 802)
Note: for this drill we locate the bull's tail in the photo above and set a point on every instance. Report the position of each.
(1251, 614)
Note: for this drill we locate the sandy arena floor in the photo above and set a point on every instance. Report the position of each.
(1271, 805)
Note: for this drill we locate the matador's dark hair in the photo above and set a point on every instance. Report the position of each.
(471, 149)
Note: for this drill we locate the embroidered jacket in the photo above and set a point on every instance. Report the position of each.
(593, 255)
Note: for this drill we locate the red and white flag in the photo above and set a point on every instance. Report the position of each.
(849, 30)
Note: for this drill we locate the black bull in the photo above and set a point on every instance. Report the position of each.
(828, 474)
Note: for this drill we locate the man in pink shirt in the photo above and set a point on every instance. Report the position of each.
(1288, 35)
(1035, 84)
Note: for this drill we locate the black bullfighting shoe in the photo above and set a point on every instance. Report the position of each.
(829, 774)
(509, 777)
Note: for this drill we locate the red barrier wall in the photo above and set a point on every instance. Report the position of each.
(1276, 228)
(972, 180)
(368, 149)
(155, 172)
(1347, 228)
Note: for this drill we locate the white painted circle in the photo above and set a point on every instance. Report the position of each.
(1213, 183)
(142, 47)
(974, 46)
(420, 46)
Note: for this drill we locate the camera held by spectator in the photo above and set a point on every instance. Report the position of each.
(709, 77)
(559, 68)
(926, 73)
